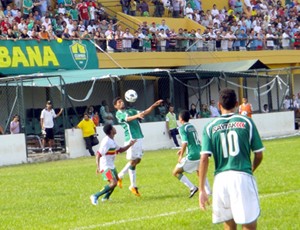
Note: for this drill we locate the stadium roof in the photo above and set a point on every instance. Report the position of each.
(238, 66)
(78, 76)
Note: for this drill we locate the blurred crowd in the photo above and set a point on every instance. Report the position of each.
(243, 25)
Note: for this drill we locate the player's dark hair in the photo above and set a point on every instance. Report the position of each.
(185, 115)
(227, 98)
(86, 114)
(107, 129)
(115, 100)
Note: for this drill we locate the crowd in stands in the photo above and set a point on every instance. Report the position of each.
(244, 25)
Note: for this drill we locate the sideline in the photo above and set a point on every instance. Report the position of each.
(172, 213)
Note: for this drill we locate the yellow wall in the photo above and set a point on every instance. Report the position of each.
(173, 23)
(274, 59)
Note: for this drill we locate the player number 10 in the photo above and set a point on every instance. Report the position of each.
(230, 144)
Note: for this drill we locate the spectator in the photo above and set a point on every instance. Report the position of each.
(163, 25)
(287, 103)
(1, 130)
(159, 9)
(47, 124)
(214, 10)
(127, 40)
(108, 117)
(204, 113)
(189, 11)
(144, 8)
(176, 8)
(238, 7)
(133, 7)
(171, 125)
(84, 13)
(15, 125)
(43, 34)
(265, 108)
(27, 7)
(125, 6)
(193, 111)
(96, 119)
(246, 108)
(213, 109)
(89, 133)
(162, 38)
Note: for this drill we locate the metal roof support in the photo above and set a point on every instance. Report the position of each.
(199, 91)
(277, 93)
(145, 91)
(258, 92)
(171, 85)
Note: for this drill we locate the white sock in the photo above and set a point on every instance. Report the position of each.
(124, 170)
(207, 187)
(187, 182)
(132, 176)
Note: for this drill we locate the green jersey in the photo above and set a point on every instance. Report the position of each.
(74, 14)
(230, 138)
(189, 135)
(132, 128)
(27, 3)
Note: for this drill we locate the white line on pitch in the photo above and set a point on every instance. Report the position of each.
(171, 213)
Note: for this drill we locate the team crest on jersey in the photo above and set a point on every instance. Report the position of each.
(79, 54)
(231, 125)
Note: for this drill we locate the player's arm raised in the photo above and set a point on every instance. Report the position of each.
(123, 149)
(152, 107)
(142, 114)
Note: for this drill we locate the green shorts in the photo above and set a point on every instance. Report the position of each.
(110, 174)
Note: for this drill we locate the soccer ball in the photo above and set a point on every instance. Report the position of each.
(244, 113)
(131, 96)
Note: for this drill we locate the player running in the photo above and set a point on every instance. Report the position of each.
(230, 139)
(191, 145)
(129, 120)
(105, 161)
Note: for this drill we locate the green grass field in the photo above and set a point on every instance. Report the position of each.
(55, 195)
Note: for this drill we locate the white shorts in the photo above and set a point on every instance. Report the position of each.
(135, 151)
(235, 196)
(188, 165)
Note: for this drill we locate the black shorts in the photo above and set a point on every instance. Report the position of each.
(49, 133)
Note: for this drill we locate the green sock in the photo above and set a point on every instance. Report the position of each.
(103, 191)
(132, 167)
(107, 195)
(179, 176)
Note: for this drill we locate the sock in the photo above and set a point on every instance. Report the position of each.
(124, 170)
(107, 195)
(103, 191)
(132, 176)
(186, 181)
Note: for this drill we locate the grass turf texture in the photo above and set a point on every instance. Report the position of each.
(55, 195)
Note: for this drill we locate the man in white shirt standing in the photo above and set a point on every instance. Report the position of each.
(285, 40)
(127, 40)
(213, 109)
(47, 123)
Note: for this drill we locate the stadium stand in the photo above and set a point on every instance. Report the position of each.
(255, 25)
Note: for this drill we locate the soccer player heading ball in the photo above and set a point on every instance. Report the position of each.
(129, 120)
(230, 139)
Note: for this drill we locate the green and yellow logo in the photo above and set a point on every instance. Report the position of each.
(79, 54)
